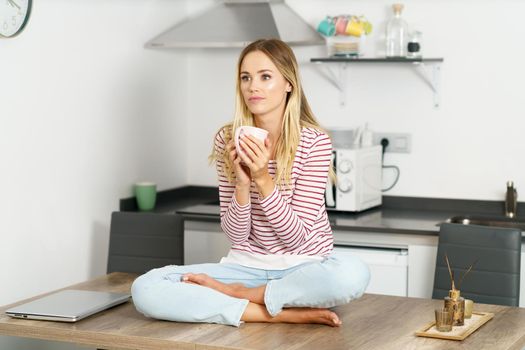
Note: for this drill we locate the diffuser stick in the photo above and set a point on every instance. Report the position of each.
(470, 268)
(450, 272)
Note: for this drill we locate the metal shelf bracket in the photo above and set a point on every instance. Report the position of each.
(428, 69)
(338, 78)
(431, 75)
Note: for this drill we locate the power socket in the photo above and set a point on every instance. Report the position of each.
(397, 142)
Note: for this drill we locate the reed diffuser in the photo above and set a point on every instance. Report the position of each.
(455, 302)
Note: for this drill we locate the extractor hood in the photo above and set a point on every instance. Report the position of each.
(235, 23)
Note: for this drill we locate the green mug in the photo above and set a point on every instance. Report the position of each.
(146, 195)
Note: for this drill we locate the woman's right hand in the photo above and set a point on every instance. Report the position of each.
(242, 173)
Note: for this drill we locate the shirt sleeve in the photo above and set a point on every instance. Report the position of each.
(235, 218)
(292, 222)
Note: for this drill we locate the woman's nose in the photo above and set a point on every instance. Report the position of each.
(253, 86)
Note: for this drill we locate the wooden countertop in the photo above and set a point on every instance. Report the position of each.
(371, 322)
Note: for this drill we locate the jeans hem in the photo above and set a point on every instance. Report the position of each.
(267, 300)
(242, 308)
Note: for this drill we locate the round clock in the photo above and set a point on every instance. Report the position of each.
(13, 16)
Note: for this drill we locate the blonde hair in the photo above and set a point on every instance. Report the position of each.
(297, 113)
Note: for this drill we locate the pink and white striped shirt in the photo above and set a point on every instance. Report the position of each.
(290, 221)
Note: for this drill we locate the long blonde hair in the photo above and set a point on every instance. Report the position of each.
(297, 113)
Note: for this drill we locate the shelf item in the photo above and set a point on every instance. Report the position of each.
(396, 33)
(429, 70)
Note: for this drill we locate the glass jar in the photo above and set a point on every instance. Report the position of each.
(396, 34)
(414, 45)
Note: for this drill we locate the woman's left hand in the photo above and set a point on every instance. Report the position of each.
(256, 155)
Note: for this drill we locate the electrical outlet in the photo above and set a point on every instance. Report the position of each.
(397, 142)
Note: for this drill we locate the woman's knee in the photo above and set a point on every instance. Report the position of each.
(140, 286)
(352, 277)
(147, 291)
(141, 293)
(145, 281)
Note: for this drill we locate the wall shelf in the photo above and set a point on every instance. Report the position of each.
(428, 69)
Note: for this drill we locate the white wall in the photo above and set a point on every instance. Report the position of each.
(85, 111)
(468, 148)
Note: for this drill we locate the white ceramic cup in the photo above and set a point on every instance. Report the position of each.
(259, 133)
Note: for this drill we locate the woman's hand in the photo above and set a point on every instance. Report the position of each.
(256, 155)
(242, 173)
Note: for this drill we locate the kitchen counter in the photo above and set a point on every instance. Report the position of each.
(378, 219)
(409, 215)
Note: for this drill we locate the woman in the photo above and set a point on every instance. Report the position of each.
(281, 266)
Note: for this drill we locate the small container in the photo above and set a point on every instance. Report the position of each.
(469, 304)
(345, 46)
(327, 26)
(146, 195)
(414, 45)
(456, 304)
(340, 25)
(443, 320)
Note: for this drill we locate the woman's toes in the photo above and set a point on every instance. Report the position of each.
(193, 278)
(331, 318)
(187, 277)
(335, 320)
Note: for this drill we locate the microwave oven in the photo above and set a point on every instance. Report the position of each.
(358, 183)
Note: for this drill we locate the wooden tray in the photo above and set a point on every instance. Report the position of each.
(477, 320)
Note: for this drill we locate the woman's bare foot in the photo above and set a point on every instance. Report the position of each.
(207, 281)
(258, 313)
(236, 290)
(307, 315)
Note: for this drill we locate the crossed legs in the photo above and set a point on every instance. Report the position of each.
(256, 310)
(233, 293)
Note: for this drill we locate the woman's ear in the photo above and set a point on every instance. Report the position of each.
(288, 87)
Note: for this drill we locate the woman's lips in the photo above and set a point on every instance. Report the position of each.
(255, 99)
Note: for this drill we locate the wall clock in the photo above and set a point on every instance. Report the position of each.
(13, 16)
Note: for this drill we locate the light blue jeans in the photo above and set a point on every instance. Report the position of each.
(334, 281)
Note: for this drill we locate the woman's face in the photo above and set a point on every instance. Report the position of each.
(263, 87)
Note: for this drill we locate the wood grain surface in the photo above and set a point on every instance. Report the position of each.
(371, 322)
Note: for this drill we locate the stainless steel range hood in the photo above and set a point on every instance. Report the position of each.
(234, 23)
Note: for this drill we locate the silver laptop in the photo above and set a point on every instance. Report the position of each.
(68, 305)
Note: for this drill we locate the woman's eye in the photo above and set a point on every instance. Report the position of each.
(245, 78)
(266, 76)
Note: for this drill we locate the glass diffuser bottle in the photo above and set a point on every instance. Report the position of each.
(455, 303)
(396, 34)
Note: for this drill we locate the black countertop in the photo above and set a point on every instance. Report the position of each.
(411, 215)
(374, 220)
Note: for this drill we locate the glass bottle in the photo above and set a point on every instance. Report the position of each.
(396, 34)
(455, 303)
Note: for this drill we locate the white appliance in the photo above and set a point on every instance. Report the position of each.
(358, 185)
(388, 268)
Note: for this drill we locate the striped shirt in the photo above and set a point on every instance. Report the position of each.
(290, 221)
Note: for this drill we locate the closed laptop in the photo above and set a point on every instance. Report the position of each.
(68, 305)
